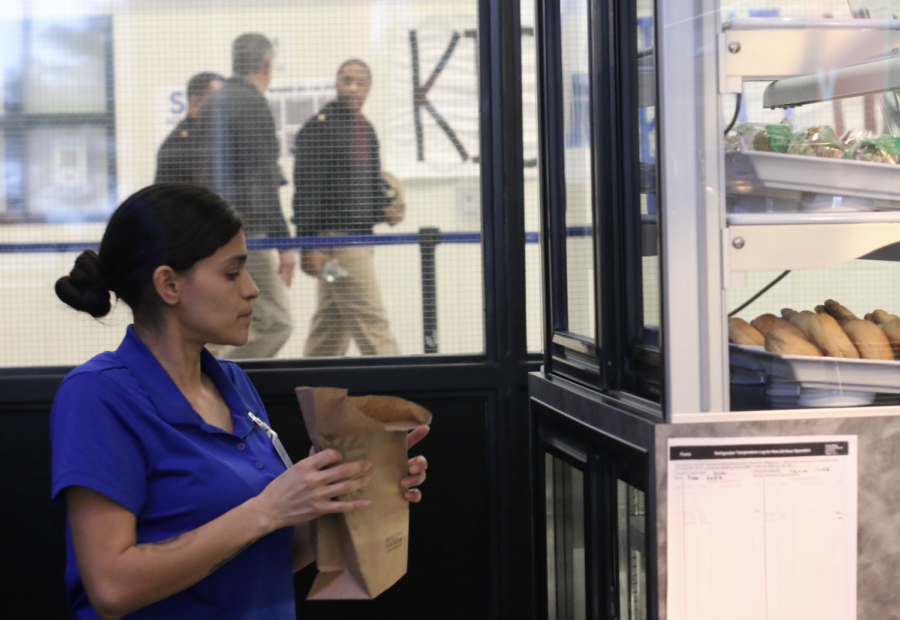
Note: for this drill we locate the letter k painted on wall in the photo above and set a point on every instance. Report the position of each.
(420, 97)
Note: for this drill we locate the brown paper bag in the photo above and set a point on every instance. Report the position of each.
(361, 554)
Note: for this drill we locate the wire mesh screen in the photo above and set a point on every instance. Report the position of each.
(358, 182)
(861, 285)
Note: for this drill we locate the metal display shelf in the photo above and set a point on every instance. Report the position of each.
(751, 171)
(765, 49)
(807, 246)
(877, 76)
(818, 381)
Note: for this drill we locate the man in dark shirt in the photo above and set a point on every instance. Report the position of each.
(339, 190)
(177, 159)
(240, 162)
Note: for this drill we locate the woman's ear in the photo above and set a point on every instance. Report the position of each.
(167, 284)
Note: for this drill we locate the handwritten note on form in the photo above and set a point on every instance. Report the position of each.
(762, 528)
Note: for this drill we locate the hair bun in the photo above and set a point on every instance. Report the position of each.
(85, 288)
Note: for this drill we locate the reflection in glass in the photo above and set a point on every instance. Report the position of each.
(531, 189)
(648, 166)
(566, 578)
(66, 67)
(577, 133)
(2, 175)
(632, 552)
(65, 123)
(67, 170)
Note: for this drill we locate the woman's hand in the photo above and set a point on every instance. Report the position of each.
(417, 467)
(307, 490)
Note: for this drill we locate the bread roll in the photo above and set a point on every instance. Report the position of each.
(824, 332)
(837, 337)
(838, 311)
(891, 329)
(741, 332)
(881, 317)
(869, 339)
(785, 342)
(767, 322)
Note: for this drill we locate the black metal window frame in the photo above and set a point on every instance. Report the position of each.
(15, 123)
(619, 359)
(500, 373)
(603, 460)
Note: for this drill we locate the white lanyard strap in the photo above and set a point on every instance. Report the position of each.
(279, 448)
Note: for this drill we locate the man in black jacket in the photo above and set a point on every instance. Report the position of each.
(177, 160)
(240, 163)
(339, 190)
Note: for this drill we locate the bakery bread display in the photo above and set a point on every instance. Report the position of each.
(786, 342)
(823, 331)
(869, 339)
(833, 330)
(880, 317)
(787, 313)
(837, 341)
(767, 322)
(741, 332)
(838, 311)
(891, 330)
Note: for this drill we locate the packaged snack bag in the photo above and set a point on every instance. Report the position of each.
(818, 142)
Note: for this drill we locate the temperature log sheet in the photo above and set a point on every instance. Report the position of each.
(762, 528)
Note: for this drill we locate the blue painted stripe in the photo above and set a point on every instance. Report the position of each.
(296, 243)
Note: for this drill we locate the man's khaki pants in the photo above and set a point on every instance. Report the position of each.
(351, 307)
(271, 324)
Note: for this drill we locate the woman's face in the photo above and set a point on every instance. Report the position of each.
(214, 306)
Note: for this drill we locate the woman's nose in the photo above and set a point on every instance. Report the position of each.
(251, 291)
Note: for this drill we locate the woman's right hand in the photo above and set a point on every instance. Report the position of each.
(307, 490)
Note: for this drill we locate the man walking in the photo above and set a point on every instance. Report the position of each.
(339, 190)
(178, 157)
(240, 163)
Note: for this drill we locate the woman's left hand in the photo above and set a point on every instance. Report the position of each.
(417, 467)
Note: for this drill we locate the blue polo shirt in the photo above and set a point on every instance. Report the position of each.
(121, 427)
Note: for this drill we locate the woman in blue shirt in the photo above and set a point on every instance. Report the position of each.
(179, 505)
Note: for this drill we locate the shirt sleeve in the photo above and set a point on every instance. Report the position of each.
(95, 444)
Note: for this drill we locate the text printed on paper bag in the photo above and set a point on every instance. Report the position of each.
(394, 541)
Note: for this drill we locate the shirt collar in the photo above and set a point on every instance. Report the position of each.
(170, 403)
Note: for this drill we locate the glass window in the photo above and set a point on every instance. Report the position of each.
(648, 169)
(566, 571)
(65, 72)
(388, 191)
(632, 551)
(68, 171)
(55, 117)
(580, 274)
(532, 193)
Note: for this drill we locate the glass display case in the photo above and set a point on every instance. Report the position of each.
(812, 209)
(744, 164)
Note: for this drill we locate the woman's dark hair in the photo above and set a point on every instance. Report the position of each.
(174, 224)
